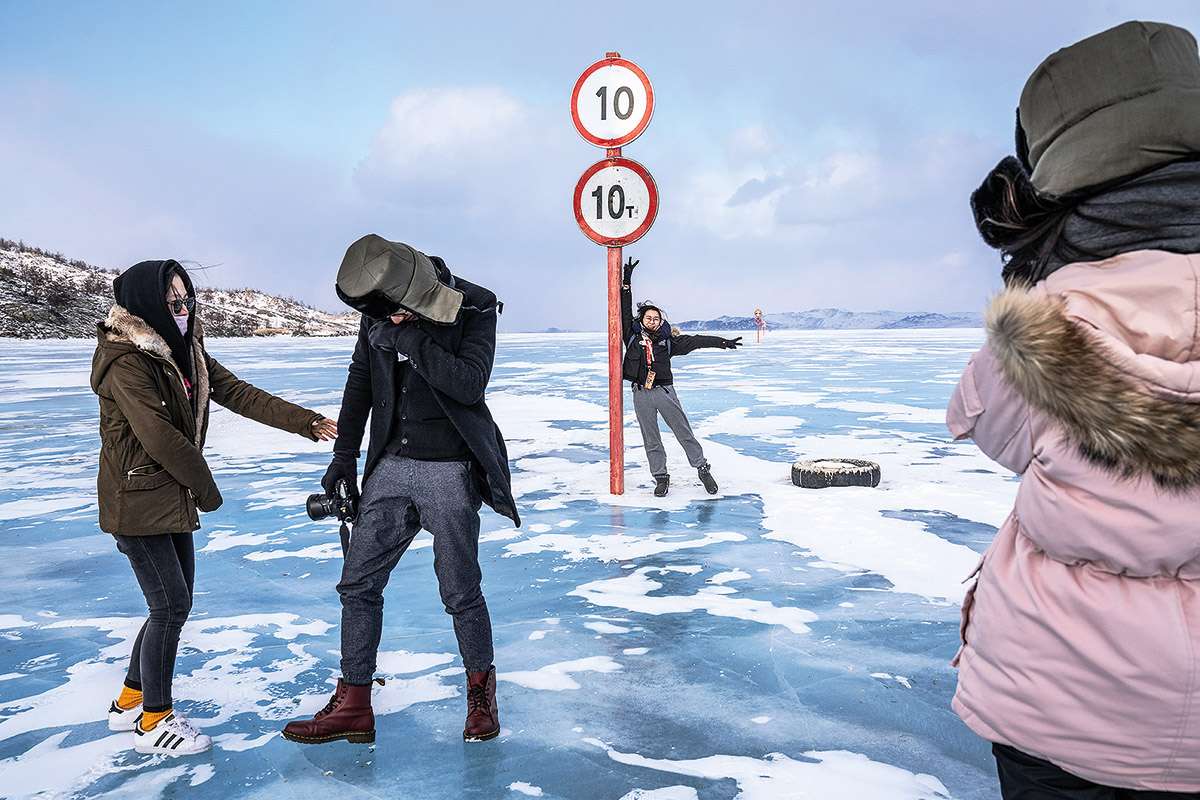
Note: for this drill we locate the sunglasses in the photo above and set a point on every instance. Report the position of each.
(179, 304)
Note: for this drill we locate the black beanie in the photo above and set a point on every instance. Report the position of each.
(142, 290)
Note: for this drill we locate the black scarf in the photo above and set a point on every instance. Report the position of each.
(1159, 210)
(142, 290)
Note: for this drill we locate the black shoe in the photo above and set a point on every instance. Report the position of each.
(706, 478)
(661, 486)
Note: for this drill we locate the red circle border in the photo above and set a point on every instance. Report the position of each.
(620, 141)
(651, 215)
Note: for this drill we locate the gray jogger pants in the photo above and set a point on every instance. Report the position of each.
(401, 497)
(648, 404)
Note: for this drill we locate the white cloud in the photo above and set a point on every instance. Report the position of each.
(430, 130)
(750, 142)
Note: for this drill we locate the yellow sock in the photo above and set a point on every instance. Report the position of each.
(150, 719)
(130, 698)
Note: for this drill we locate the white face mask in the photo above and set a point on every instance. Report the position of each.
(182, 322)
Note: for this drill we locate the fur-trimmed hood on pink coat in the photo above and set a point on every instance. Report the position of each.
(1082, 633)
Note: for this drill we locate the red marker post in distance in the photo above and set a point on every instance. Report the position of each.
(616, 201)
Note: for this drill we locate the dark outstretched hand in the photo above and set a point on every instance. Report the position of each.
(733, 344)
(627, 272)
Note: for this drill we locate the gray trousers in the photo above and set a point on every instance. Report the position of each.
(399, 498)
(648, 404)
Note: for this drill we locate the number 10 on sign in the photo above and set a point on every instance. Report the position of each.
(616, 202)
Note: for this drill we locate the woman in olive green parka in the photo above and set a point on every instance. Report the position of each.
(155, 379)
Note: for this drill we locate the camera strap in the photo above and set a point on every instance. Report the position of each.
(344, 535)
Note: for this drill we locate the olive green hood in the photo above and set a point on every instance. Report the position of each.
(378, 278)
(1111, 106)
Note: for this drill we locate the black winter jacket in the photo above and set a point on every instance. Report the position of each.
(456, 361)
(668, 343)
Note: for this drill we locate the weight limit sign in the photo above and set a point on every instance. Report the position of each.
(616, 202)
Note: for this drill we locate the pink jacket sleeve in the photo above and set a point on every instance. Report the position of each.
(986, 408)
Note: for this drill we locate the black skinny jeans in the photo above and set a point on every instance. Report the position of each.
(165, 567)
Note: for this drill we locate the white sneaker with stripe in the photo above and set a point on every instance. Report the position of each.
(122, 719)
(173, 736)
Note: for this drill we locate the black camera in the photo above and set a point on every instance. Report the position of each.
(341, 503)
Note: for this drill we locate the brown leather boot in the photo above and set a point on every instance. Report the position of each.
(347, 715)
(483, 718)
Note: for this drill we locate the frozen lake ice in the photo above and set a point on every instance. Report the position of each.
(770, 642)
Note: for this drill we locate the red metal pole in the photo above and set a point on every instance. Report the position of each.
(616, 399)
(616, 391)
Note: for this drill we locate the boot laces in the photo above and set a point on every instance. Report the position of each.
(330, 706)
(477, 699)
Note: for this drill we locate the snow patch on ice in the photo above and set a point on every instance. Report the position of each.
(219, 540)
(402, 662)
(557, 677)
(727, 577)
(236, 679)
(666, 793)
(616, 546)
(321, 552)
(240, 742)
(42, 506)
(829, 775)
(632, 592)
(886, 676)
(50, 769)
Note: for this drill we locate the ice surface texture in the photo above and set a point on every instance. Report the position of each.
(770, 642)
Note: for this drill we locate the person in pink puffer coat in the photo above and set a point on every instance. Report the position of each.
(1080, 658)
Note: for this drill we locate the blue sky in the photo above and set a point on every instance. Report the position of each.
(807, 154)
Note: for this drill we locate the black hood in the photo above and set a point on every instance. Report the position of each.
(142, 290)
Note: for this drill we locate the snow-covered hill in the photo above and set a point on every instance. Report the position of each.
(44, 295)
(840, 319)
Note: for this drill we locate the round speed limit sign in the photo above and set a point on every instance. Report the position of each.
(616, 202)
(612, 102)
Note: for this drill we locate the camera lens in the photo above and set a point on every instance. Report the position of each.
(319, 506)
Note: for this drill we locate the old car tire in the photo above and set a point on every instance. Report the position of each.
(824, 473)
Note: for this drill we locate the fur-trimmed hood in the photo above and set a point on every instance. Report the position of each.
(122, 332)
(1109, 351)
(122, 326)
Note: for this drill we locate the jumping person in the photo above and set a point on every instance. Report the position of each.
(155, 379)
(1080, 659)
(650, 344)
(420, 368)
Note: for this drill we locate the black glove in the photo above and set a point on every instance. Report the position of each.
(383, 334)
(342, 467)
(627, 272)
(733, 344)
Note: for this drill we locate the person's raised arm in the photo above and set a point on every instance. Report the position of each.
(627, 300)
(683, 343)
(462, 376)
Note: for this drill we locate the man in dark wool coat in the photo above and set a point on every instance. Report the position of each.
(420, 368)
